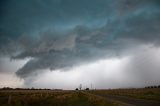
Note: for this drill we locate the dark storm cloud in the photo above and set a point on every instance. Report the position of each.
(59, 34)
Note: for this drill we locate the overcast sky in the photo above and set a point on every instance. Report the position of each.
(64, 43)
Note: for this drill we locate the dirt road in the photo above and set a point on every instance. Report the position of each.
(132, 101)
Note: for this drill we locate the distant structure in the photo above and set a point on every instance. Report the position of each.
(80, 86)
(91, 86)
(85, 87)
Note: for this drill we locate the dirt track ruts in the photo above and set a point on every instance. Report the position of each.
(132, 101)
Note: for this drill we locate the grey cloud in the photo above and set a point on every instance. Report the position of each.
(89, 45)
(143, 66)
(61, 34)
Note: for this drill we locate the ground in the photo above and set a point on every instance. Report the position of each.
(118, 97)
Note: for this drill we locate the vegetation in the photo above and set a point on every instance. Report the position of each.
(47, 97)
(50, 98)
(143, 93)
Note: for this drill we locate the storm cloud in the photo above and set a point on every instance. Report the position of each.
(59, 34)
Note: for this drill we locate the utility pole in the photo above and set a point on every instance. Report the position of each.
(91, 86)
(80, 86)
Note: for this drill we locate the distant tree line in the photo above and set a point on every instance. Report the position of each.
(80, 89)
(9, 88)
(158, 86)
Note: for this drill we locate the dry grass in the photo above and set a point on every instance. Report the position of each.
(72, 98)
(145, 93)
(50, 98)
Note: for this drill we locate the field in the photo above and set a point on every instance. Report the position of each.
(117, 97)
(50, 98)
(144, 93)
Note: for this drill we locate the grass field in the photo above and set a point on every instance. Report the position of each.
(74, 98)
(50, 98)
(143, 93)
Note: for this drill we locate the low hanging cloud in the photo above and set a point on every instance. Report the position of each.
(70, 34)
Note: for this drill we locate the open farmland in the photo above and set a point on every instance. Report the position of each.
(137, 97)
(116, 97)
(50, 98)
(144, 93)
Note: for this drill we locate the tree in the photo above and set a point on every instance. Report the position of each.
(87, 89)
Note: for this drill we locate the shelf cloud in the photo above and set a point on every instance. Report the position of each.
(61, 34)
